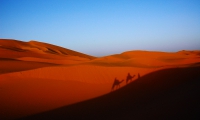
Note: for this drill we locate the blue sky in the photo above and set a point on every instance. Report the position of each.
(104, 27)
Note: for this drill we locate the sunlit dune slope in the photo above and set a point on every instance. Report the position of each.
(8, 65)
(82, 73)
(17, 55)
(147, 59)
(30, 90)
(37, 90)
(15, 49)
(44, 52)
(166, 94)
(58, 50)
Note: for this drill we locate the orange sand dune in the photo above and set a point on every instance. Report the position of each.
(146, 59)
(8, 65)
(163, 95)
(47, 88)
(35, 49)
(70, 60)
(25, 96)
(22, 53)
(36, 77)
(58, 50)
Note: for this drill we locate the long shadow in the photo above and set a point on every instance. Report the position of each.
(163, 95)
(116, 84)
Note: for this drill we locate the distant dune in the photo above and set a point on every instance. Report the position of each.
(149, 59)
(37, 77)
(16, 48)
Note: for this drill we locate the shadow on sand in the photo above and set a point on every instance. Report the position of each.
(129, 78)
(166, 94)
(116, 84)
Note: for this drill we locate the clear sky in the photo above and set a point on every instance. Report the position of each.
(104, 27)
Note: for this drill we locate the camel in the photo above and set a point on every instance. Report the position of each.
(116, 83)
(129, 77)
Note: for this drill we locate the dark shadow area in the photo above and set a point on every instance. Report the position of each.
(195, 64)
(162, 95)
(64, 53)
(52, 51)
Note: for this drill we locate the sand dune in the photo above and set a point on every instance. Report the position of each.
(147, 59)
(70, 60)
(165, 94)
(12, 65)
(47, 88)
(36, 49)
(25, 96)
(37, 77)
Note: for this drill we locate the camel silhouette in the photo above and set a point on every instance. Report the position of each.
(129, 77)
(116, 83)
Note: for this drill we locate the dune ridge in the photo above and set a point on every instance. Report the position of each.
(37, 48)
(148, 59)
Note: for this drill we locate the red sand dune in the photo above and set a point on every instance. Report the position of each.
(36, 77)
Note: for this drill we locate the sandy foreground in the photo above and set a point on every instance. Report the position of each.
(36, 77)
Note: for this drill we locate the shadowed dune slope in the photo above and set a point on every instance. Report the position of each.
(166, 94)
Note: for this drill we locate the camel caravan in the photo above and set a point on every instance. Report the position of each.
(117, 82)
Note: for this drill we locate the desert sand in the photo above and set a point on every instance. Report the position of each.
(36, 77)
(167, 94)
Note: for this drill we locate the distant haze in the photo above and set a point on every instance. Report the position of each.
(103, 27)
